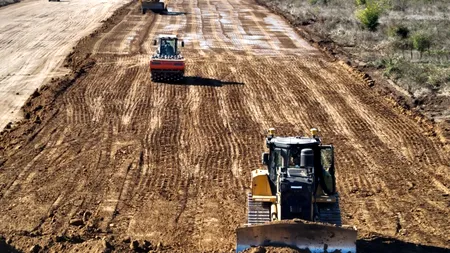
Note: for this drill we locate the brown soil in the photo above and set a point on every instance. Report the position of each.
(106, 159)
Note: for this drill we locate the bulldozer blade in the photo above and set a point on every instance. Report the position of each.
(309, 236)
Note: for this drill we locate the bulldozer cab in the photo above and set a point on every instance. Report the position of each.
(301, 157)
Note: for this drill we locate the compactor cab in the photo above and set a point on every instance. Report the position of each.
(168, 46)
(293, 200)
(167, 64)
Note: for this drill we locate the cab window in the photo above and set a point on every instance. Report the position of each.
(278, 160)
(326, 158)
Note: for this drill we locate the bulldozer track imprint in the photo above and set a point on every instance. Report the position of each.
(118, 154)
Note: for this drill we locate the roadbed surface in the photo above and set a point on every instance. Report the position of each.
(107, 157)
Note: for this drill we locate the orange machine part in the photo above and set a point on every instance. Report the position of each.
(167, 64)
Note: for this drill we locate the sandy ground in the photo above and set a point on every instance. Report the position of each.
(109, 157)
(35, 37)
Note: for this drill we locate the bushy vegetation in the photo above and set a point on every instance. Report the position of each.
(408, 39)
(360, 2)
(400, 31)
(430, 76)
(421, 42)
(369, 15)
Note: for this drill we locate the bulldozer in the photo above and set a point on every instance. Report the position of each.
(157, 6)
(167, 64)
(293, 200)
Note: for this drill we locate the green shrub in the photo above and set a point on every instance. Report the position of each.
(403, 45)
(360, 2)
(438, 77)
(370, 15)
(313, 2)
(402, 31)
(421, 42)
(391, 67)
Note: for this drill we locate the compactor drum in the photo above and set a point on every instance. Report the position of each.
(167, 64)
(293, 201)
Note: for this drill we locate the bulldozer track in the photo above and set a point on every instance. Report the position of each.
(171, 163)
(331, 213)
(257, 212)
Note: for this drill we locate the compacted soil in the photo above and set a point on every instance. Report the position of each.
(107, 160)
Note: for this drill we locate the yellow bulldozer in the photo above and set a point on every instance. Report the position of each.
(293, 200)
(157, 6)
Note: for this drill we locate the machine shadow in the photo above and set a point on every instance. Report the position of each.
(174, 13)
(170, 13)
(391, 245)
(201, 81)
(4, 247)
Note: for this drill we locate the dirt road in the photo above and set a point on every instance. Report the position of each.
(115, 155)
(35, 37)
